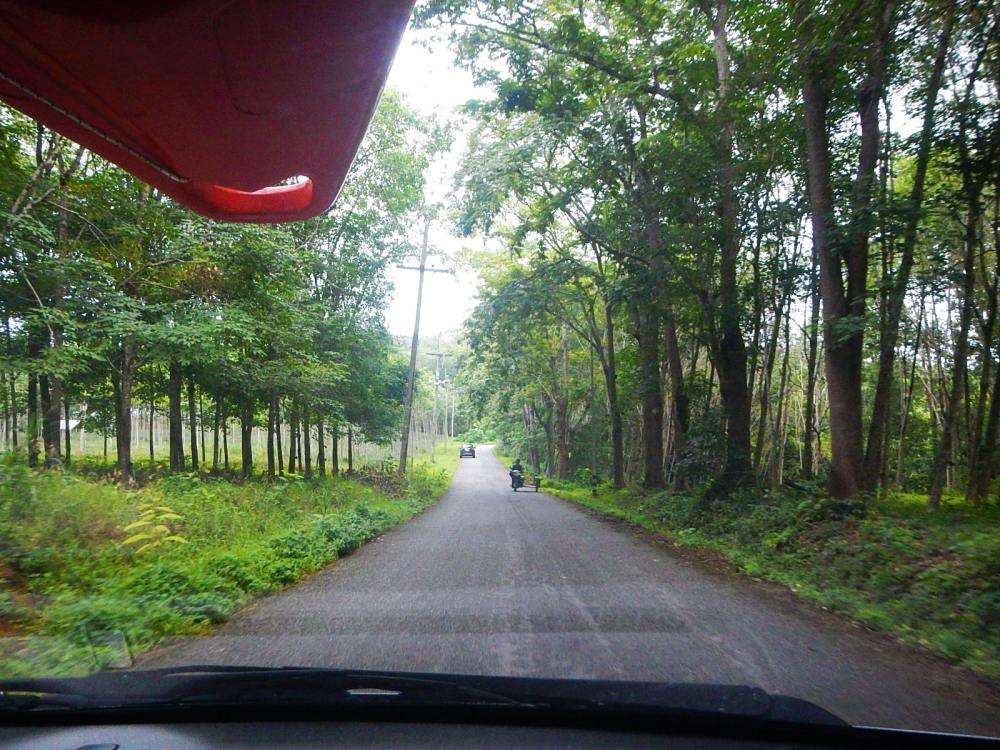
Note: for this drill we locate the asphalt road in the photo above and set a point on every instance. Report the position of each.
(489, 581)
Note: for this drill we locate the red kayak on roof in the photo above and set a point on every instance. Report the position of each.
(242, 110)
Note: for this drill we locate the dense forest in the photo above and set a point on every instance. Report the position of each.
(736, 244)
(118, 303)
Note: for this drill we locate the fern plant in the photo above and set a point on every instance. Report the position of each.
(152, 530)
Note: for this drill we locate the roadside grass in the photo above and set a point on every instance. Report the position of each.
(92, 574)
(932, 579)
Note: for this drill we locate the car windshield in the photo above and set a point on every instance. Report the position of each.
(650, 341)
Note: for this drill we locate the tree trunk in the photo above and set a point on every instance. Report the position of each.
(350, 449)
(6, 411)
(812, 355)
(550, 444)
(562, 412)
(731, 357)
(321, 437)
(307, 440)
(175, 379)
(192, 422)
(986, 458)
(982, 448)
(201, 422)
(782, 313)
(51, 414)
(45, 407)
(246, 433)
(277, 436)
(335, 450)
(757, 313)
(777, 460)
(270, 437)
(529, 416)
(843, 348)
(843, 309)
(12, 431)
(69, 441)
(651, 397)
(225, 441)
(34, 446)
(943, 456)
(889, 331)
(53, 390)
(609, 366)
(765, 389)
(711, 385)
(904, 416)
(679, 404)
(150, 436)
(215, 433)
(122, 381)
(293, 437)
(562, 438)
(975, 441)
(13, 416)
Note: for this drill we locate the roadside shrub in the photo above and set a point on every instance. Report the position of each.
(281, 572)
(12, 612)
(16, 489)
(235, 569)
(206, 606)
(78, 619)
(389, 482)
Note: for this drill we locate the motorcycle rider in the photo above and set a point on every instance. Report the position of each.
(516, 472)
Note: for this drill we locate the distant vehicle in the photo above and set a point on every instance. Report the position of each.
(467, 450)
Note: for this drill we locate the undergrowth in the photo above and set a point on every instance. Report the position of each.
(933, 579)
(79, 591)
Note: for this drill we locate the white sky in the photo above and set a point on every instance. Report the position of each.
(434, 87)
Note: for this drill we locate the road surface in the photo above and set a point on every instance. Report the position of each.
(489, 581)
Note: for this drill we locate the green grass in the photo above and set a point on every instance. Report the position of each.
(74, 586)
(932, 579)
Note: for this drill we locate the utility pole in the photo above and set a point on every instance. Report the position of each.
(404, 443)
